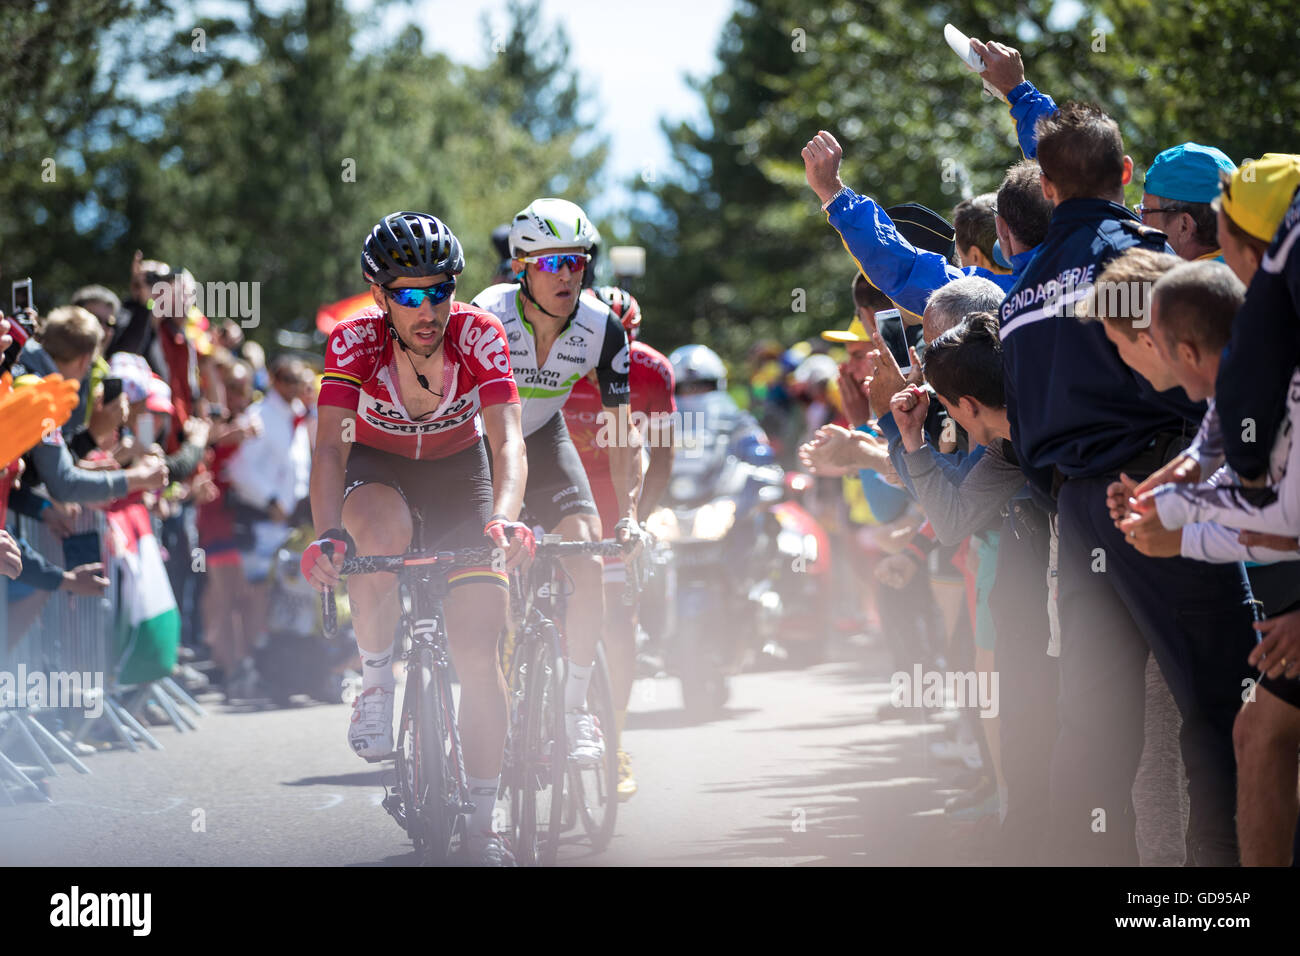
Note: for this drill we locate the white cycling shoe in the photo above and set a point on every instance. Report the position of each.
(370, 732)
(486, 849)
(586, 742)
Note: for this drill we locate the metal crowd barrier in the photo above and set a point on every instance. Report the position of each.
(77, 634)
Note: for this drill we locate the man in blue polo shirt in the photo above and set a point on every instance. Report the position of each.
(1180, 186)
(1079, 416)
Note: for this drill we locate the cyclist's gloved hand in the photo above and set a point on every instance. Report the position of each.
(323, 559)
(513, 537)
(629, 533)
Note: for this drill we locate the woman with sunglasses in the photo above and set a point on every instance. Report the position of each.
(557, 336)
(411, 386)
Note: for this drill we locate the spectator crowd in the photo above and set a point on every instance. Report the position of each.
(1092, 459)
(195, 452)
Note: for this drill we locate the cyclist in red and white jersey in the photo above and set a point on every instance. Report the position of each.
(411, 388)
(557, 336)
(650, 378)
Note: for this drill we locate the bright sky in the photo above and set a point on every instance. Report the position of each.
(635, 57)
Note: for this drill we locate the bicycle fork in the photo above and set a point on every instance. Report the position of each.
(431, 634)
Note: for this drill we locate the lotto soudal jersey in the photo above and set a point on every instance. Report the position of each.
(593, 340)
(651, 381)
(361, 376)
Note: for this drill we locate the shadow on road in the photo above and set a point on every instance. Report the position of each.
(677, 718)
(362, 778)
(868, 802)
(875, 798)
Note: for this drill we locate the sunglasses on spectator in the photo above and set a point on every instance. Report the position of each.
(574, 261)
(414, 298)
(1143, 210)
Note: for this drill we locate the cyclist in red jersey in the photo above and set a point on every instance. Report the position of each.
(409, 390)
(650, 379)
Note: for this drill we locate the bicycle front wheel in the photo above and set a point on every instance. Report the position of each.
(434, 815)
(594, 790)
(545, 755)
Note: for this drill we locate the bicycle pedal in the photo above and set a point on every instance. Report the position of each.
(393, 804)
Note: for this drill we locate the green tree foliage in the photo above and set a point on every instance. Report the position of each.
(735, 232)
(530, 138)
(64, 139)
(271, 142)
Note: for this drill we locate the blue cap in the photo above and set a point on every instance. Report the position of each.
(999, 257)
(1188, 172)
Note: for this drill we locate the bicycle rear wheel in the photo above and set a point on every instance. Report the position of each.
(594, 790)
(545, 755)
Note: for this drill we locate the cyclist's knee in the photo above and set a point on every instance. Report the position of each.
(586, 570)
(378, 520)
(476, 613)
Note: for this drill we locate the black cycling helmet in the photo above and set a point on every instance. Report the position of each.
(501, 240)
(410, 245)
(589, 274)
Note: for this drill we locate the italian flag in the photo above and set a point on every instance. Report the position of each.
(148, 623)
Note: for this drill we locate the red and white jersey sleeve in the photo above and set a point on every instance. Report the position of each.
(352, 352)
(478, 342)
(361, 375)
(651, 380)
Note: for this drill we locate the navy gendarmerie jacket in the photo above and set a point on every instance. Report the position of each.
(1256, 368)
(1072, 402)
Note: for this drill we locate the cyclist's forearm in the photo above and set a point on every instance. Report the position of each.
(657, 474)
(327, 478)
(625, 468)
(509, 475)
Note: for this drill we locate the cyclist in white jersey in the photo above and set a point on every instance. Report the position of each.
(556, 336)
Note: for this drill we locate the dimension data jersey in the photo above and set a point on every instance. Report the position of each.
(594, 339)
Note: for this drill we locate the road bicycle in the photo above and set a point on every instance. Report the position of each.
(547, 795)
(431, 802)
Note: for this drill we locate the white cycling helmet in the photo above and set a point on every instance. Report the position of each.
(698, 363)
(551, 224)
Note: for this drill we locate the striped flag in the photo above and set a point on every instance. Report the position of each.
(148, 623)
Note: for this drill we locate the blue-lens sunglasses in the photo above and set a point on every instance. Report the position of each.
(414, 298)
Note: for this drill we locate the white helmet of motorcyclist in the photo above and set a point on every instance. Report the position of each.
(816, 370)
(698, 364)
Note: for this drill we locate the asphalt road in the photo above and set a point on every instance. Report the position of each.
(798, 770)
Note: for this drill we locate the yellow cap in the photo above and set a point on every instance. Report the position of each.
(857, 332)
(1257, 195)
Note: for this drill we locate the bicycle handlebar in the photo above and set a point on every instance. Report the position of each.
(392, 563)
(376, 563)
(563, 549)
